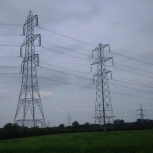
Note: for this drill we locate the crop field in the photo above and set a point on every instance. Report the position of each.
(111, 142)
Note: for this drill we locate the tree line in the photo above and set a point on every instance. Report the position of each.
(11, 130)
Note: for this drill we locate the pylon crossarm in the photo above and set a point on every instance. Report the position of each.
(34, 38)
(96, 62)
(105, 45)
(32, 17)
(106, 71)
(107, 58)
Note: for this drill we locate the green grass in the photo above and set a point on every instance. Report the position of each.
(111, 142)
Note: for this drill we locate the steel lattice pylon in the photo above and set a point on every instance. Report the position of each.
(29, 97)
(141, 114)
(103, 105)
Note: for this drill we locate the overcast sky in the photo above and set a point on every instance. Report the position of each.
(126, 25)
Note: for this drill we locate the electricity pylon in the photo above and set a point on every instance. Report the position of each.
(141, 114)
(103, 105)
(69, 119)
(29, 97)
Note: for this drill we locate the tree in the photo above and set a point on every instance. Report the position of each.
(87, 125)
(119, 123)
(15, 126)
(61, 126)
(8, 126)
(75, 124)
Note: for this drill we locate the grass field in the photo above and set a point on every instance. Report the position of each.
(111, 142)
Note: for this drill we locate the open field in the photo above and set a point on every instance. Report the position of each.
(111, 142)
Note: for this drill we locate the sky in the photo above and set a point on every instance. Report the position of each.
(70, 31)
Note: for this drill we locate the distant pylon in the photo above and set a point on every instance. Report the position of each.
(103, 105)
(29, 97)
(141, 114)
(69, 119)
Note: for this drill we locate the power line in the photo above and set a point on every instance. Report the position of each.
(13, 10)
(65, 48)
(66, 68)
(69, 63)
(131, 58)
(4, 75)
(74, 28)
(88, 78)
(114, 67)
(8, 52)
(10, 24)
(65, 73)
(10, 42)
(133, 68)
(94, 46)
(132, 83)
(119, 112)
(65, 82)
(72, 38)
(130, 88)
(87, 87)
(66, 54)
(5, 34)
(8, 73)
(8, 66)
(131, 95)
(88, 55)
(82, 42)
(9, 45)
(114, 63)
(66, 36)
(3, 57)
(94, 89)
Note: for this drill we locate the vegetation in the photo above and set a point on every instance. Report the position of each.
(10, 126)
(120, 142)
(11, 130)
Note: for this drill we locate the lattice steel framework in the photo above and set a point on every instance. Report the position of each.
(69, 119)
(29, 97)
(103, 105)
(141, 114)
